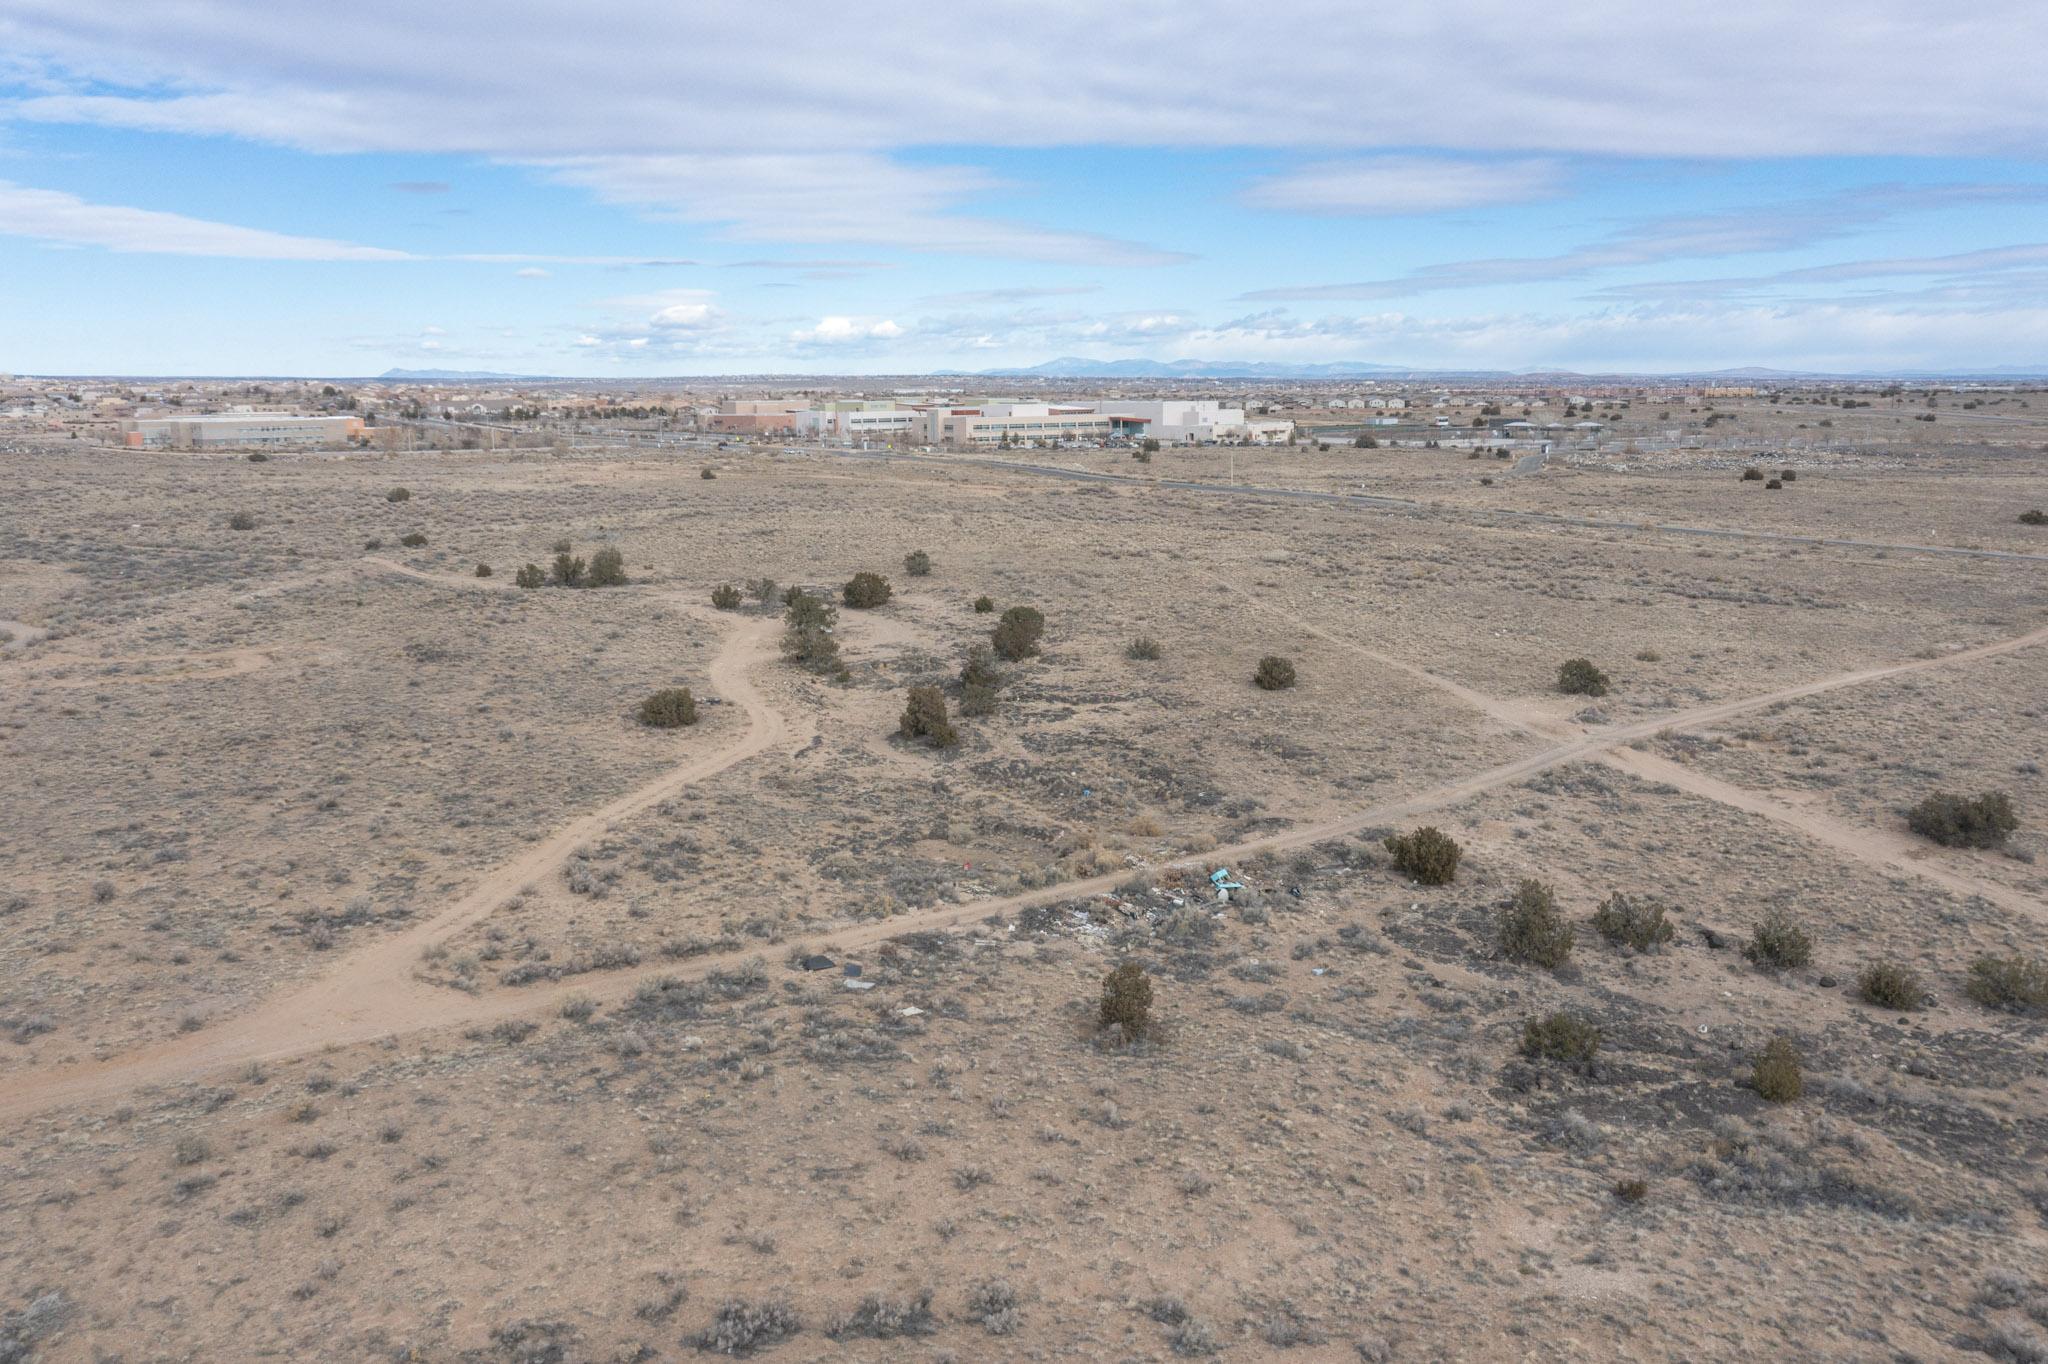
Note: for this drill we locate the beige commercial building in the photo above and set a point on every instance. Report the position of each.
(258, 428)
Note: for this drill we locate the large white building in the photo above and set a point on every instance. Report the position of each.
(846, 422)
(1197, 421)
(258, 428)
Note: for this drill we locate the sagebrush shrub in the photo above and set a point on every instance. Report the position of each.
(725, 597)
(984, 605)
(917, 563)
(413, 539)
(1274, 673)
(764, 590)
(1636, 923)
(2034, 517)
(1578, 677)
(1145, 649)
(607, 568)
(1530, 929)
(865, 591)
(569, 570)
(242, 520)
(980, 669)
(530, 576)
(924, 717)
(1776, 1073)
(1778, 944)
(1890, 986)
(1752, 475)
(483, 570)
(398, 495)
(977, 700)
(1773, 484)
(1982, 821)
(1561, 1037)
(2013, 984)
(707, 472)
(1126, 1000)
(1428, 854)
(1017, 633)
(669, 708)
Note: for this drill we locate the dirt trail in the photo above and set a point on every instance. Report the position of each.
(1877, 848)
(372, 994)
(195, 668)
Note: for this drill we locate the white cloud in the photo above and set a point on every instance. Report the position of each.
(835, 197)
(1603, 76)
(840, 331)
(1391, 185)
(531, 272)
(53, 216)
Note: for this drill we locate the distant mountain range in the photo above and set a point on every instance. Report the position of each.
(462, 376)
(1074, 367)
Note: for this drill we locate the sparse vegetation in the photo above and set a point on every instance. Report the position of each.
(1126, 1000)
(1982, 821)
(1891, 986)
(1017, 633)
(1778, 944)
(1561, 1037)
(984, 605)
(924, 717)
(1274, 673)
(607, 568)
(917, 564)
(1637, 923)
(1429, 855)
(483, 570)
(1578, 677)
(669, 708)
(398, 495)
(742, 1328)
(568, 571)
(865, 591)
(1776, 1073)
(2034, 517)
(1145, 649)
(242, 520)
(726, 597)
(1530, 929)
(531, 576)
(1752, 475)
(807, 633)
(2014, 984)
(413, 539)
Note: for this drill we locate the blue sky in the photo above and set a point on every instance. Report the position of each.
(218, 187)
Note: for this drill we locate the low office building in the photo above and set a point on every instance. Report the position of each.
(754, 417)
(1025, 423)
(257, 428)
(860, 421)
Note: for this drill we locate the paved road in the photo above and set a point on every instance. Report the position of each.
(1372, 502)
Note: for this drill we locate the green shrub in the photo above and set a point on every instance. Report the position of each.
(1631, 1190)
(669, 708)
(561, 547)
(1776, 1072)
(865, 591)
(242, 520)
(568, 570)
(807, 632)
(1561, 1037)
(1752, 475)
(413, 539)
(791, 595)
(258, 457)
(917, 563)
(764, 590)
(1145, 649)
(530, 576)
(1890, 986)
(984, 605)
(1429, 855)
(1017, 633)
(924, 717)
(1789, 475)
(373, 543)
(707, 473)
(2013, 984)
(1983, 821)
(1578, 677)
(607, 568)
(2035, 517)
(1639, 924)
(1126, 1000)
(399, 495)
(980, 669)
(1778, 944)
(483, 570)
(1531, 930)
(725, 597)
(1274, 673)
(977, 700)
